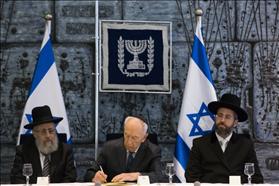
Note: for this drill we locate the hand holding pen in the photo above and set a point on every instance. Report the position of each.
(100, 176)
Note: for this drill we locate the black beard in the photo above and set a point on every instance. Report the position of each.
(223, 131)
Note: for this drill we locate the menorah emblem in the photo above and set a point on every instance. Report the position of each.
(135, 47)
(136, 66)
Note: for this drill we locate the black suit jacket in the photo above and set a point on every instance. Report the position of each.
(207, 162)
(113, 157)
(62, 167)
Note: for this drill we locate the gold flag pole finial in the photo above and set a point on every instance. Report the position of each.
(198, 12)
(48, 17)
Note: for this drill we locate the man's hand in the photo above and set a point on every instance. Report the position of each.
(133, 176)
(100, 177)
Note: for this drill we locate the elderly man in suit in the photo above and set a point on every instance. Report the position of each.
(127, 158)
(46, 154)
(213, 158)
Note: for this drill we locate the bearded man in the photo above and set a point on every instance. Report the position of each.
(213, 158)
(46, 154)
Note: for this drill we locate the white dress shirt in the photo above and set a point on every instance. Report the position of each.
(223, 141)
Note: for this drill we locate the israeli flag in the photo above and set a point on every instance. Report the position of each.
(195, 119)
(45, 89)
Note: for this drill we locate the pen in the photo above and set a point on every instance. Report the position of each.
(101, 168)
(102, 174)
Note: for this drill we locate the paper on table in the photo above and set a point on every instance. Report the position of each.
(114, 184)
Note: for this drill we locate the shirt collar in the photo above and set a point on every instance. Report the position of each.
(220, 138)
(134, 153)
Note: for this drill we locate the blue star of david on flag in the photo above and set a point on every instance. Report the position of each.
(195, 118)
(29, 119)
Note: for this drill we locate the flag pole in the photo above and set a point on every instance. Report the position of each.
(198, 13)
(96, 76)
(48, 17)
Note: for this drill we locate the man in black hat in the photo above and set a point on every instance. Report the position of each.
(215, 157)
(46, 154)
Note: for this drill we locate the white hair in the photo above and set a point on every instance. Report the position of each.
(145, 126)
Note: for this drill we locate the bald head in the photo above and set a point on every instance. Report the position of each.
(135, 133)
(135, 121)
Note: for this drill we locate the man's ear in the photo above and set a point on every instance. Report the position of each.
(235, 123)
(145, 137)
(34, 134)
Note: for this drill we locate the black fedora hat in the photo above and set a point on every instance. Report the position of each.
(42, 115)
(229, 101)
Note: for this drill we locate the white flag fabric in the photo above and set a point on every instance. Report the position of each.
(195, 119)
(45, 89)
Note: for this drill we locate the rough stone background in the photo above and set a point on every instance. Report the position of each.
(242, 41)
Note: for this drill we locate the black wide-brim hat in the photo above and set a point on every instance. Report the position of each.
(229, 101)
(41, 115)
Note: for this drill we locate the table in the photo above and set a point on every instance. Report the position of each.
(134, 184)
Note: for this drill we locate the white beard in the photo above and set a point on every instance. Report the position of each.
(49, 147)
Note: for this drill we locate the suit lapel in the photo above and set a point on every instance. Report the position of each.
(139, 156)
(122, 157)
(53, 163)
(218, 150)
(55, 159)
(35, 158)
(231, 147)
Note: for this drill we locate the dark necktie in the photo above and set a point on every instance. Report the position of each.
(130, 160)
(46, 168)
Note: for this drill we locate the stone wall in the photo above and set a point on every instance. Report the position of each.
(241, 38)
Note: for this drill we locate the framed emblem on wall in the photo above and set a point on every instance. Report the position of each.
(135, 56)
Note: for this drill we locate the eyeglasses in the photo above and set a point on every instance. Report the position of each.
(44, 131)
(225, 116)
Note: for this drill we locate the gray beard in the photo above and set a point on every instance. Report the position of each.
(49, 147)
